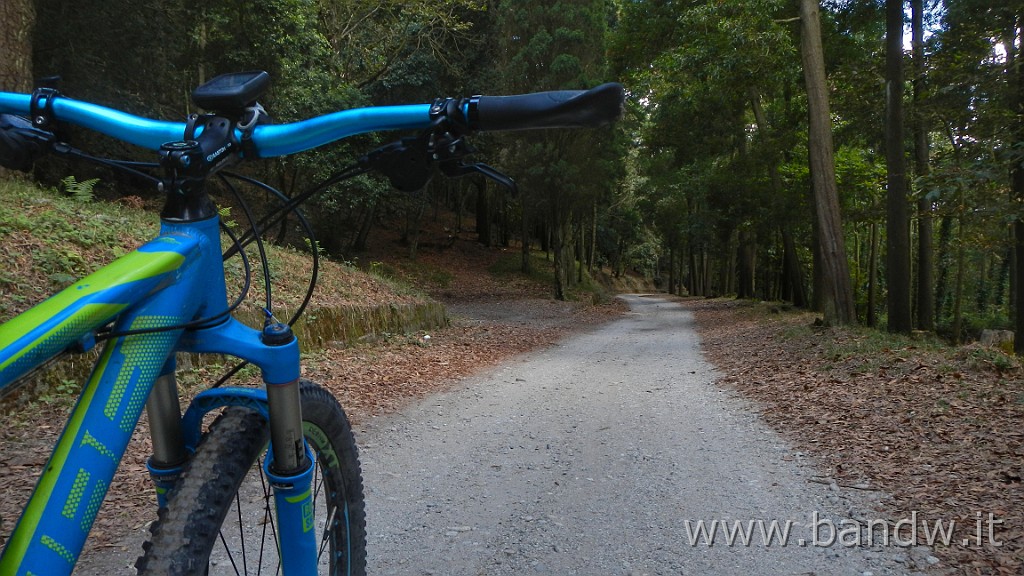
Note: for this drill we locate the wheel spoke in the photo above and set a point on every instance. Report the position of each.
(227, 549)
(241, 531)
(219, 476)
(325, 539)
(268, 520)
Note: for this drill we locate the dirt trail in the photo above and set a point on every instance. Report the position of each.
(591, 457)
(585, 457)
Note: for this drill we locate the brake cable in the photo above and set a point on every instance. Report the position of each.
(258, 237)
(307, 229)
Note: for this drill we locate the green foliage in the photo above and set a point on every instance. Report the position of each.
(542, 272)
(689, 170)
(314, 246)
(561, 174)
(642, 256)
(508, 266)
(322, 56)
(989, 359)
(62, 394)
(50, 239)
(705, 160)
(862, 349)
(225, 217)
(80, 191)
(415, 272)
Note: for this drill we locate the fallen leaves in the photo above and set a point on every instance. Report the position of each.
(938, 429)
(374, 380)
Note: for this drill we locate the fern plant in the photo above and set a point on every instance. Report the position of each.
(80, 191)
(311, 246)
(225, 217)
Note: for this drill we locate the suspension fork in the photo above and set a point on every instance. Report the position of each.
(276, 352)
(286, 435)
(165, 430)
(290, 463)
(290, 466)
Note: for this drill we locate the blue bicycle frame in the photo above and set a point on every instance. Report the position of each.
(172, 280)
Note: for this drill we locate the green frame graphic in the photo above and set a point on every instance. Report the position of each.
(53, 325)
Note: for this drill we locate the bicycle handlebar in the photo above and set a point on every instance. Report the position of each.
(562, 109)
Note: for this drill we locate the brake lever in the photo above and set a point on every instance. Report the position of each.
(457, 169)
(452, 149)
(405, 163)
(21, 143)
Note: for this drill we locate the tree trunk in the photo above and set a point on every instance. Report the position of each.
(460, 205)
(872, 312)
(483, 214)
(1017, 191)
(925, 248)
(748, 263)
(817, 276)
(793, 275)
(672, 270)
(897, 237)
(526, 264)
(561, 228)
(837, 299)
(696, 285)
(680, 271)
(592, 256)
(19, 18)
(706, 271)
(617, 265)
(958, 294)
(1001, 281)
(413, 230)
(942, 283)
(581, 248)
(504, 225)
(364, 229)
(982, 287)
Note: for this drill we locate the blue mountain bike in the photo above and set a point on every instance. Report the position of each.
(301, 511)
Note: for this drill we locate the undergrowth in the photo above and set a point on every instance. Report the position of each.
(50, 240)
(542, 271)
(864, 349)
(404, 275)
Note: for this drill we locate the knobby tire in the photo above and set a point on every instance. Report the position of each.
(197, 519)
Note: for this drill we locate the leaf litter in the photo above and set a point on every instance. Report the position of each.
(938, 430)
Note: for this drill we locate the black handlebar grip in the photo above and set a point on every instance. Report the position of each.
(562, 109)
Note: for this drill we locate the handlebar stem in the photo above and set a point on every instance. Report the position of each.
(185, 183)
(210, 145)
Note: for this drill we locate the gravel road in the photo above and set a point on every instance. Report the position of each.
(592, 457)
(596, 456)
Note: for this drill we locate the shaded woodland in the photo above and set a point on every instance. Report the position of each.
(861, 158)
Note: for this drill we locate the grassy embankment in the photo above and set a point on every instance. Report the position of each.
(50, 239)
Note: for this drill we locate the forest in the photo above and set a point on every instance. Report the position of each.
(861, 158)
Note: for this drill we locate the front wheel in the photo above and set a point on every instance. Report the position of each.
(220, 518)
